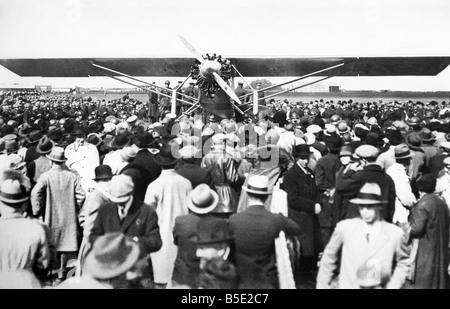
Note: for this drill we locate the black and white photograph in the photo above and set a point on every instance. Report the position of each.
(245, 146)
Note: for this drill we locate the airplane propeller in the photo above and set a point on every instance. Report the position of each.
(210, 69)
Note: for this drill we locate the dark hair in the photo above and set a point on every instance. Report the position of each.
(427, 183)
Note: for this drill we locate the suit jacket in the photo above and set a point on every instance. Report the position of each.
(186, 269)
(141, 221)
(325, 173)
(145, 159)
(194, 173)
(302, 196)
(348, 249)
(255, 231)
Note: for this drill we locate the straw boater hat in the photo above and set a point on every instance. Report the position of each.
(257, 184)
(112, 255)
(202, 199)
(369, 194)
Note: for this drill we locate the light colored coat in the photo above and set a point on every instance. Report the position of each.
(23, 244)
(348, 245)
(83, 160)
(405, 198)
(168, 195)
(58, 197)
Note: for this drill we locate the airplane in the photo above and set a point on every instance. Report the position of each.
(215, 74)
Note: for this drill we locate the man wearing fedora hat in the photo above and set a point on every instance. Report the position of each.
(42, 164)
(213, 238)
(33, 138)
(98, 196)
(132, 217)
(399, 172)
(303, 208)
(201, 201)
(168, 195)
(57, 199)
(417, 167)
(255, 229)
(325, 173)
(365, 242)
(109, 265)
(24, 245)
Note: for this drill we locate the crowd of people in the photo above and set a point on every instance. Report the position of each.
(118, 194)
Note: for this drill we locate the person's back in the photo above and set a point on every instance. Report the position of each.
(430, 222)
(255, 231)
(57, 197)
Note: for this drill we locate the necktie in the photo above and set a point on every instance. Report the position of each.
(368, 238)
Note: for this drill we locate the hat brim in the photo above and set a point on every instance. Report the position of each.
(14, 201)
(162, 163)
(194, 239)
(203, 210)
(100, 271)
(119, 200)
(267, 192)
(362, 201)
(404, 157)
(56, 160)
(47, 151)
(113, 145)
(103, 178)
(301, 154)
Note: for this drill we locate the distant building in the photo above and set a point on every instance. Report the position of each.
(334, 89)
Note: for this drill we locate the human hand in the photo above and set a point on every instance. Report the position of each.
(317, 208)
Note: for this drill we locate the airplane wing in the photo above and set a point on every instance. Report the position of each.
(251, 67)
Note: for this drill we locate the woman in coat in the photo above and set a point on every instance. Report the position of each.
(430, 221)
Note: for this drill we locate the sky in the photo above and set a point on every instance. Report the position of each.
(281, 28)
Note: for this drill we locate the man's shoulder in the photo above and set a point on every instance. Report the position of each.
(392, 229)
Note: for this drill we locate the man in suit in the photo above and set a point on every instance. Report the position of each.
(201, 201)
(130, 216)
(57, 198)
(325, 174)
(24, 244)
(303, 208)
(369, 252)
(255, 230)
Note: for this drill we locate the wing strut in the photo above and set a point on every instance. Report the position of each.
(146, 83)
